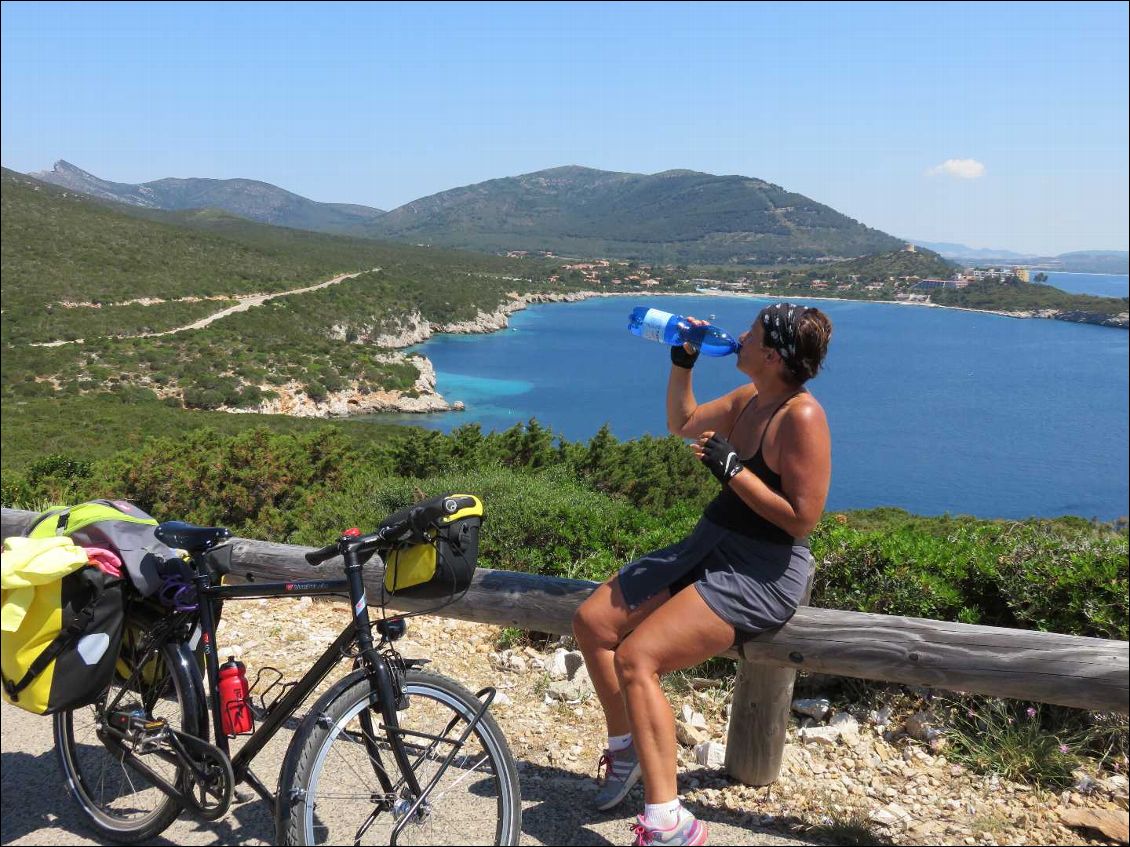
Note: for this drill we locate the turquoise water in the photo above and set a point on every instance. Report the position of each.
(1104, 285)
(932, 410)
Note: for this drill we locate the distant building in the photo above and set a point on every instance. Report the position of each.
(910, 248)
(1021, 274)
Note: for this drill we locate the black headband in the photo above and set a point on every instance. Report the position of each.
(780, 324)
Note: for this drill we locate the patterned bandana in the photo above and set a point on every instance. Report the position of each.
(780, 324)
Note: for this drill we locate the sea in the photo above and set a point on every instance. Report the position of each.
(1103, 285)
(931, 410)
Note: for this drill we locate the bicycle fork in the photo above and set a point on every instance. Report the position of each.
(384, 686)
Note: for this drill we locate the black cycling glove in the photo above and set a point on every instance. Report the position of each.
(719, 455)
(680, 358)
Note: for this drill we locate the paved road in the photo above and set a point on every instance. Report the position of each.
(36, 809)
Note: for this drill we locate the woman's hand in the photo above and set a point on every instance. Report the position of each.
(718, 455)
(684, 356)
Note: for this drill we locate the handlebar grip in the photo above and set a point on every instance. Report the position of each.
(316, 557)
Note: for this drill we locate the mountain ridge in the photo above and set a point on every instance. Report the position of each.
(247, 198)
(677, 215)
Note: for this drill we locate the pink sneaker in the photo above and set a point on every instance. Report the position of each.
(687, 830)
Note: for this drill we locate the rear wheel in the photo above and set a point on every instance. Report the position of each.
(331, 794)
(117, 800)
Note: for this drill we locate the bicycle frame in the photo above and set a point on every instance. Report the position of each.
(357, 631)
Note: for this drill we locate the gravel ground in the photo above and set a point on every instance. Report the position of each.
(866, 787)
(37, 809)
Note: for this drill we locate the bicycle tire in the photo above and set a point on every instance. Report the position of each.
(136, 811)
(328, 789)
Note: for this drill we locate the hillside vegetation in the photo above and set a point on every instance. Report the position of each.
(675, 216)
(1017, 296)
(582, 510)
(61, 248)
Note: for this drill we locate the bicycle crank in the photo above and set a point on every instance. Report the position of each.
(208, 782)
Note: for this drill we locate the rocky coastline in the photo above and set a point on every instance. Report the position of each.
(416, 329)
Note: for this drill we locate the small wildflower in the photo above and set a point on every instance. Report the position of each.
(969, 713)
(1031, 712)
(1063, 748)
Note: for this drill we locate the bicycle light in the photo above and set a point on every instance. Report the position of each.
(392, 628)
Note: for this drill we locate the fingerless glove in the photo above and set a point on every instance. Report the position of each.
(680, 358)
(719, 455)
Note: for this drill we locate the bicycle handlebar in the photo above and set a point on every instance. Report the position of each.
(396, 531)
(318, 556)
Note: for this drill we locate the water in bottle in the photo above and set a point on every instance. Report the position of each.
(676, 329)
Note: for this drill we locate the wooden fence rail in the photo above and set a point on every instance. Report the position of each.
(1067, 670)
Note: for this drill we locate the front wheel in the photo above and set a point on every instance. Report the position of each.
(330, 791)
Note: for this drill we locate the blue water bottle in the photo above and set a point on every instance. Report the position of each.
(676, 329)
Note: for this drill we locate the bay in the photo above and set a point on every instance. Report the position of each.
(931, 410)
(1102, 285)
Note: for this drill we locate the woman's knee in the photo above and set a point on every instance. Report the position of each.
(633, 662)
(591, 626)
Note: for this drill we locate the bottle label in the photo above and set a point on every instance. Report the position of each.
(654, 322)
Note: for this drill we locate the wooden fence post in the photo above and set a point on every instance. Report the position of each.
(759, 718)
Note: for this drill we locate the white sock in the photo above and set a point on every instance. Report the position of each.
(661, 815)
(616, 743)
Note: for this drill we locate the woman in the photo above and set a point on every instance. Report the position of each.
(741, 571)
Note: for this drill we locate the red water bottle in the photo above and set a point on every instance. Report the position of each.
(235, 712)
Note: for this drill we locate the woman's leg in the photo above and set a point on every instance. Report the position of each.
(681, 633)
(599, 625)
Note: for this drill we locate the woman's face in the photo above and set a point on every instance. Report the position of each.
(755, 358)
(752, 356)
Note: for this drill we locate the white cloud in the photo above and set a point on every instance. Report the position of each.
(960, 168)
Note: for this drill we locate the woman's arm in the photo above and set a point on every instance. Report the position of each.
(687, 419)
(805, 469)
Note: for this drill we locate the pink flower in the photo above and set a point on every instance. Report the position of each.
(1031, 712)
(1063, 748)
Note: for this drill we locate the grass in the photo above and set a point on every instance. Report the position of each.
(1029, 743)
(849, 825)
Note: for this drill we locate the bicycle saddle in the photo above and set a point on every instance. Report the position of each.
(188, 537)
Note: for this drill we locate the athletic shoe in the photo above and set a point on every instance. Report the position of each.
(687, 830)
(622, 771)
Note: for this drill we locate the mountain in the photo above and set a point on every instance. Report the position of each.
(953, 251)
(1094, 262)
(247, 198)
(676, 216)
(1080, 261)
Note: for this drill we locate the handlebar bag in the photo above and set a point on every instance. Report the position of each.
(439, 559)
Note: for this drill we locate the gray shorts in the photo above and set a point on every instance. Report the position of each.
(753, 585)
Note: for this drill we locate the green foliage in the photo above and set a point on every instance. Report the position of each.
(1023, 296)
(1063, 576)
(583, 510)
(676, 216)
(1021, 742)
(58, 247)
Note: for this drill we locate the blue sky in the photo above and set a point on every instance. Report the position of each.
(993, 125)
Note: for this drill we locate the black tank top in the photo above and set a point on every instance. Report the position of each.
(730, 511)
